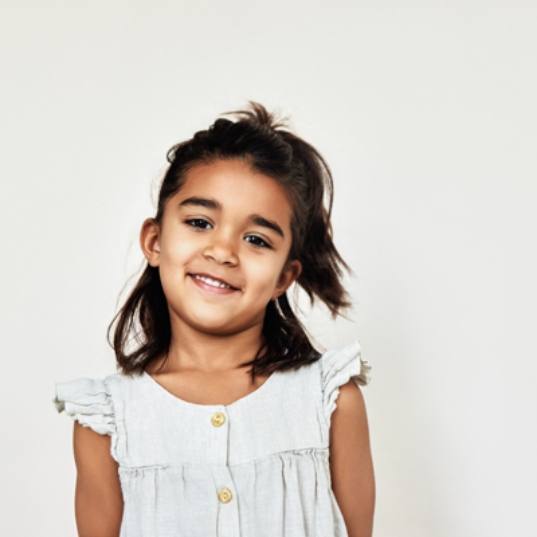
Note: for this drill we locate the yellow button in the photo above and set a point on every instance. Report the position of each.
(218, 419)
(225, 496)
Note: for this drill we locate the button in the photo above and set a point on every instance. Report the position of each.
(225, 496)
(218, 419)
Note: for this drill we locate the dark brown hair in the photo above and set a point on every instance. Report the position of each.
(271, 149)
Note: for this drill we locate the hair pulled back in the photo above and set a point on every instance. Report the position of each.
(258, 138)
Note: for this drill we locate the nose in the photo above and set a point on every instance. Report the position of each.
(221, 249)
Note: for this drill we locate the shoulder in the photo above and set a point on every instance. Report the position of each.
(340, 365)
(76, 395)
(341, 371)
(89, 402)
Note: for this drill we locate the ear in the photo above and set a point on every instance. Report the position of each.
(289, 274)
(150, 241)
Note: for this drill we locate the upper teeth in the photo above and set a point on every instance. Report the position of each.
(212, 282)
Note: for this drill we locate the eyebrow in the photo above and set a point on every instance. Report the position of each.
(201, 202)
(213, 204)
(260, 221)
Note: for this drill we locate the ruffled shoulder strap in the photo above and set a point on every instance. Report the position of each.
(89, 402)
(337, 368)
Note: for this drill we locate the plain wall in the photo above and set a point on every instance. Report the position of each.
(426, 113)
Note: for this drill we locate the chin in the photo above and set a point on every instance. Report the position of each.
(210, 321)
(217, 326)
(218, 329)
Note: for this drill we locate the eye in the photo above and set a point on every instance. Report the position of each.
(199, 223)
(257, 241)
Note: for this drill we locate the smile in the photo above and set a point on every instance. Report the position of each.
(212, 282)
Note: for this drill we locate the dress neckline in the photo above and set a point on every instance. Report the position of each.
(246, 398)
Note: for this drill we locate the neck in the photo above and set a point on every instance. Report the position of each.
(212, 353)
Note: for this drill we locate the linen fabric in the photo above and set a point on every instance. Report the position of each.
(270, 453)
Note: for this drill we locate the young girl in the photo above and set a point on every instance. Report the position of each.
(222, 420)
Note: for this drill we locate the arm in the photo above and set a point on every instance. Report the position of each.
(351, 466)
(98, 497)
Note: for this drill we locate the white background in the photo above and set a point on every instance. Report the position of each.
(425, 111)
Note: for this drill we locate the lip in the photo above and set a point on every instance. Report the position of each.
(208, 287)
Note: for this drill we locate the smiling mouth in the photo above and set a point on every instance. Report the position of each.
(217, 284)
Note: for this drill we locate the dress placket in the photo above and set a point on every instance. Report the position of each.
(228, 507)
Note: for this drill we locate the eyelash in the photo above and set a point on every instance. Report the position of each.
(264, 244)
(201, 223)
(193, 222)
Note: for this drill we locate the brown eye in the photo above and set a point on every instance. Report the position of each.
(199, 223)
(257, 241)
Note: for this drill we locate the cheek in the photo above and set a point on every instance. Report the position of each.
(176, 251)
(176, 257)
(265, 274)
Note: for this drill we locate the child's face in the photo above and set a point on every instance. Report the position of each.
(222, 248)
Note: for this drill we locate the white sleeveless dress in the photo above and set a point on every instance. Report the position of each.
(255, 468)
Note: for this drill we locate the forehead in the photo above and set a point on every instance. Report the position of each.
(238, 189)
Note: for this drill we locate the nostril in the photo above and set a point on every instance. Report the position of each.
(221, 255)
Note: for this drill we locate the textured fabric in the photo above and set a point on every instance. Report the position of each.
(271, 452)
